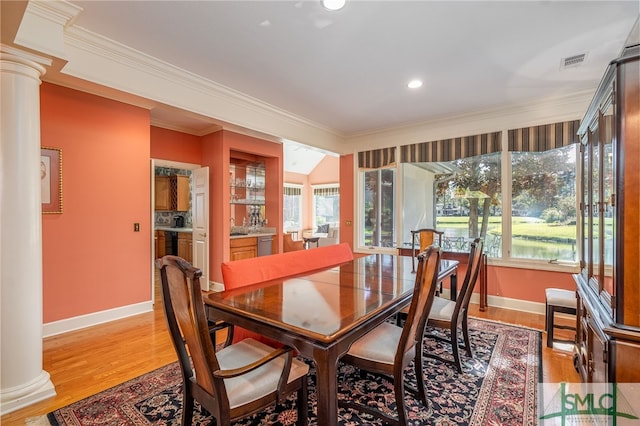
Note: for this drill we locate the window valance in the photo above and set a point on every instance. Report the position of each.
(377, 158)
(544, 137)
(326, 191)
(292, 190)
(451, 149)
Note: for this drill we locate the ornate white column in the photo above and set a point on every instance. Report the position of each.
(22, 378)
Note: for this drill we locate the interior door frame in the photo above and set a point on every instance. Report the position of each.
(160, 163)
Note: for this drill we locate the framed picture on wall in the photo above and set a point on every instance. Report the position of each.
(51, 179)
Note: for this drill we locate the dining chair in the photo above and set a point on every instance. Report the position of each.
(235, 381)
(453, 314)
(425, 237)
(289, 244)
(389, 349)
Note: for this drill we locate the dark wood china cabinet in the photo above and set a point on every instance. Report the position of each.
(608, 286)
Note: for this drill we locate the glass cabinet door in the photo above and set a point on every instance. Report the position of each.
(585, 211)
(608, 137)
(594, 211)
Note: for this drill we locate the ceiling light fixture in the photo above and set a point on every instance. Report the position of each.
(414, 84)
(333, 4)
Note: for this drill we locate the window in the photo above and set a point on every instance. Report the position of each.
(378, 201)
(543, 200)
(516, 190)
(468, 202)
(292, 207)
(326, 204)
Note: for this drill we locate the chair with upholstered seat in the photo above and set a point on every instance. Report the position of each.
(289, 244)
(233, 382)
(425, 237)
(453, 314)
(558, 300)
(389, 349)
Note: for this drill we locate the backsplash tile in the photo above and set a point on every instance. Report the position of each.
(165, 218)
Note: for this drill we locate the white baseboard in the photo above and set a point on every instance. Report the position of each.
(506, 303)
(83, 321)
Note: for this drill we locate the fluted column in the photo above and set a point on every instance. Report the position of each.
(22, 378)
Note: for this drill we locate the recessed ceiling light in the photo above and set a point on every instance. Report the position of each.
(333, 4)
(414, 84)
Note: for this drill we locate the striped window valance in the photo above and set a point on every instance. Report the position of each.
(545, 137)
(292, 190)
(451, 149)
(377, 158)
(326, 191)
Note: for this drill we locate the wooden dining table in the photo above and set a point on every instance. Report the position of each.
(322, 313)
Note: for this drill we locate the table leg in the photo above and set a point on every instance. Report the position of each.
(454, 285)
(327, 387)
(483, 283)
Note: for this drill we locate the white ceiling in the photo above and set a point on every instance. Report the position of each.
(347, 70)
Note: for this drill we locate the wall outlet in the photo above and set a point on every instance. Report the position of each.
(136, 227)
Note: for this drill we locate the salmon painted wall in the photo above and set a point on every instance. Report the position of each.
(525, 284)
(216, 152)
(213, 156)
(92, 258)
(327, 171)
(347, 199)
(175, 146)
(516, 283)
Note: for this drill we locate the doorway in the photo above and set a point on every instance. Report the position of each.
(165, 220)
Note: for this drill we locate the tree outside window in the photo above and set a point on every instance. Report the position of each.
(542, 185)
(468, 202)
(543, 223)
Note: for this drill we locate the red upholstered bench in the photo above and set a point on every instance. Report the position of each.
(239, 273)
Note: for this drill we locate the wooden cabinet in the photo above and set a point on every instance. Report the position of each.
(608, 286)
(243, 248)
(185, 246)
(162, 193)
(160, 244)
(172, 193)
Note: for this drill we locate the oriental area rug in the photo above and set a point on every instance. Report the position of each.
(497, 387)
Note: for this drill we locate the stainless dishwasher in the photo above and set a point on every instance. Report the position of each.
(264, 245)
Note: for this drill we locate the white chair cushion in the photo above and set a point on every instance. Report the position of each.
(442, 309)
(560, 297)
(379, 345)
(260, 381)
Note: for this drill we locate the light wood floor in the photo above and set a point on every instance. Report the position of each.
(84, 362)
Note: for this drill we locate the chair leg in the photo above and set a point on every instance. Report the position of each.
(419, 367)
(455, 348)
(549, 326)
(187, 406)
(401, 407)
(465, 335)
(302, 406)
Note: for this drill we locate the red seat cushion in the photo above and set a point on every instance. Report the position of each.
(243, 272)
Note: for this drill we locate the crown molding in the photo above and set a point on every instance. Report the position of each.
(547, 111)
(43, 24)
(99, 60)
